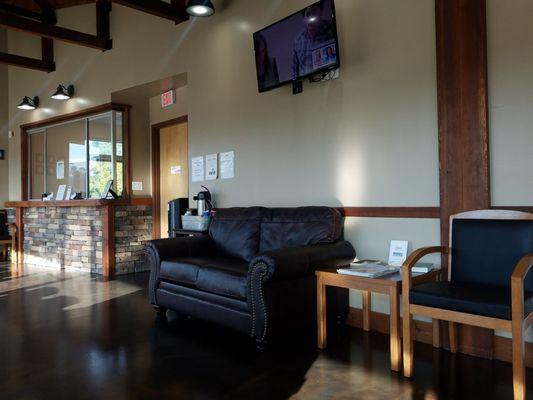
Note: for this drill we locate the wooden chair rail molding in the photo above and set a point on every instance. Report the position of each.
(410, 212)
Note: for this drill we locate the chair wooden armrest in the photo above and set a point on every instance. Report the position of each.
(413, 258)
(517, 285)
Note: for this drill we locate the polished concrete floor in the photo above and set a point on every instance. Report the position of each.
(70, 335)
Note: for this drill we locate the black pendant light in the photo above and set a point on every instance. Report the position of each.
(200, 8)
(29, 103)
(63, 93)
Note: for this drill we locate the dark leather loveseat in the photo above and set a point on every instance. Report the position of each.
(254, 272)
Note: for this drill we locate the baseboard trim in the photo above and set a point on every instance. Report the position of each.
(422, 332)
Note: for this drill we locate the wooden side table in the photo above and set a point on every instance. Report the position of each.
(390, 285)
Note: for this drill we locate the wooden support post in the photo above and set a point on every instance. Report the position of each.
(463, 125)
(108, 243)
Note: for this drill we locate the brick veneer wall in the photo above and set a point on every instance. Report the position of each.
(73, 236)
(64, 237)
(133, 228)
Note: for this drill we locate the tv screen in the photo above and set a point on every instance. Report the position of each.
(299, 46)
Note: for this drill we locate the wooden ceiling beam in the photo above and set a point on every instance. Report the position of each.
(15, 22)
(46, 63)
(173, 11)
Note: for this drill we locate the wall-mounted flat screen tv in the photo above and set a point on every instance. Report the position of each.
(299, 46)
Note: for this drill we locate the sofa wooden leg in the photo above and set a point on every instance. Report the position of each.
(160, 310)
(261, 345)
(519, 370)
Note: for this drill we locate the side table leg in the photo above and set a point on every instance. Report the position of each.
(395, 345)
(367, 309)
(321, 313)
(436, 333)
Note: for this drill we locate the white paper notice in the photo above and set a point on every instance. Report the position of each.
(197, 169)
(60, 170)
(227, 165)
(175, 170)
(211, 167)
(61, 192)
(398, 252)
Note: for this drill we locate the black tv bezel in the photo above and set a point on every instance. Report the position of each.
(331, 67)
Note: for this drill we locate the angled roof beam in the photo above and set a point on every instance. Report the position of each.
(22, 12)
(173, 11)
(48, 11)
(15, 22)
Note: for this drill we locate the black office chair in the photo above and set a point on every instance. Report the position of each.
(490, 254)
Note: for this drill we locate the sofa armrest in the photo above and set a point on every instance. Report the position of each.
(180, 247)
(164, 249)
(295, 262)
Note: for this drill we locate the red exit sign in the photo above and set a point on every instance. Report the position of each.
(168, 98)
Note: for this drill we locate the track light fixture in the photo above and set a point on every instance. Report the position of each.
(29, 103)
(200, 8)
(63, 93)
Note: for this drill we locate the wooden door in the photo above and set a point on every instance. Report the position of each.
(173, 168)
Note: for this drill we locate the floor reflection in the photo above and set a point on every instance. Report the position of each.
(70, 335)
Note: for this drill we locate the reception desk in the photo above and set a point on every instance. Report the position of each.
(105, 237)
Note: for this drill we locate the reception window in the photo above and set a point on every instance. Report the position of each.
(83, 153)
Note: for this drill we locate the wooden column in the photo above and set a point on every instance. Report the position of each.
(463, 125)
(19, 221)
(108, 243)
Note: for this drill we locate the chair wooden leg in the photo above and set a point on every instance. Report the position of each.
(436, 333)
(452, 332)
(519, 370)
(407, 343)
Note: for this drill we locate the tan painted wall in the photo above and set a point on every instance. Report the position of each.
(159, 114)
(366, 139)
(4, 164)
(510, 65)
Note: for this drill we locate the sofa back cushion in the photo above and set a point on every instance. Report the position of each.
(487, 250)
(236, 231)
(302, 226)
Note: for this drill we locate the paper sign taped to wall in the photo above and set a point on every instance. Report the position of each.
(211, 166)
(60, 170)
(227, 165)
(197, 169)
(175, 170)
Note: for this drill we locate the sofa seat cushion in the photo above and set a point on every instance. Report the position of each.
(221, 275)
(472, 298)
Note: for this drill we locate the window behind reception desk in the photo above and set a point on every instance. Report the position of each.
(83, 153)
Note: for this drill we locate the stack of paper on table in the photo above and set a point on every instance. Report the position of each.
(369, 269)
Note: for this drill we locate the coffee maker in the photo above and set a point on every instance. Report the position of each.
(203, 201)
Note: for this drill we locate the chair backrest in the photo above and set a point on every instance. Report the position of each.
(486, 246)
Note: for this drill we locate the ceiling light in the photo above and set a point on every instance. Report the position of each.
(63, 93)
(28, 103)
(200, 8)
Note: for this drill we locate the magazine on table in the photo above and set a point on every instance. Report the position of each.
(377, 269)
(369, 269)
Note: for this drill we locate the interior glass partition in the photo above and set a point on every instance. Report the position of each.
(83, 154)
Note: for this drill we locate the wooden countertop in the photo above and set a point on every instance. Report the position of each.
(134, 201)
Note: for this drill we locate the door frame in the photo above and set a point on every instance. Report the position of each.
(156, 178)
